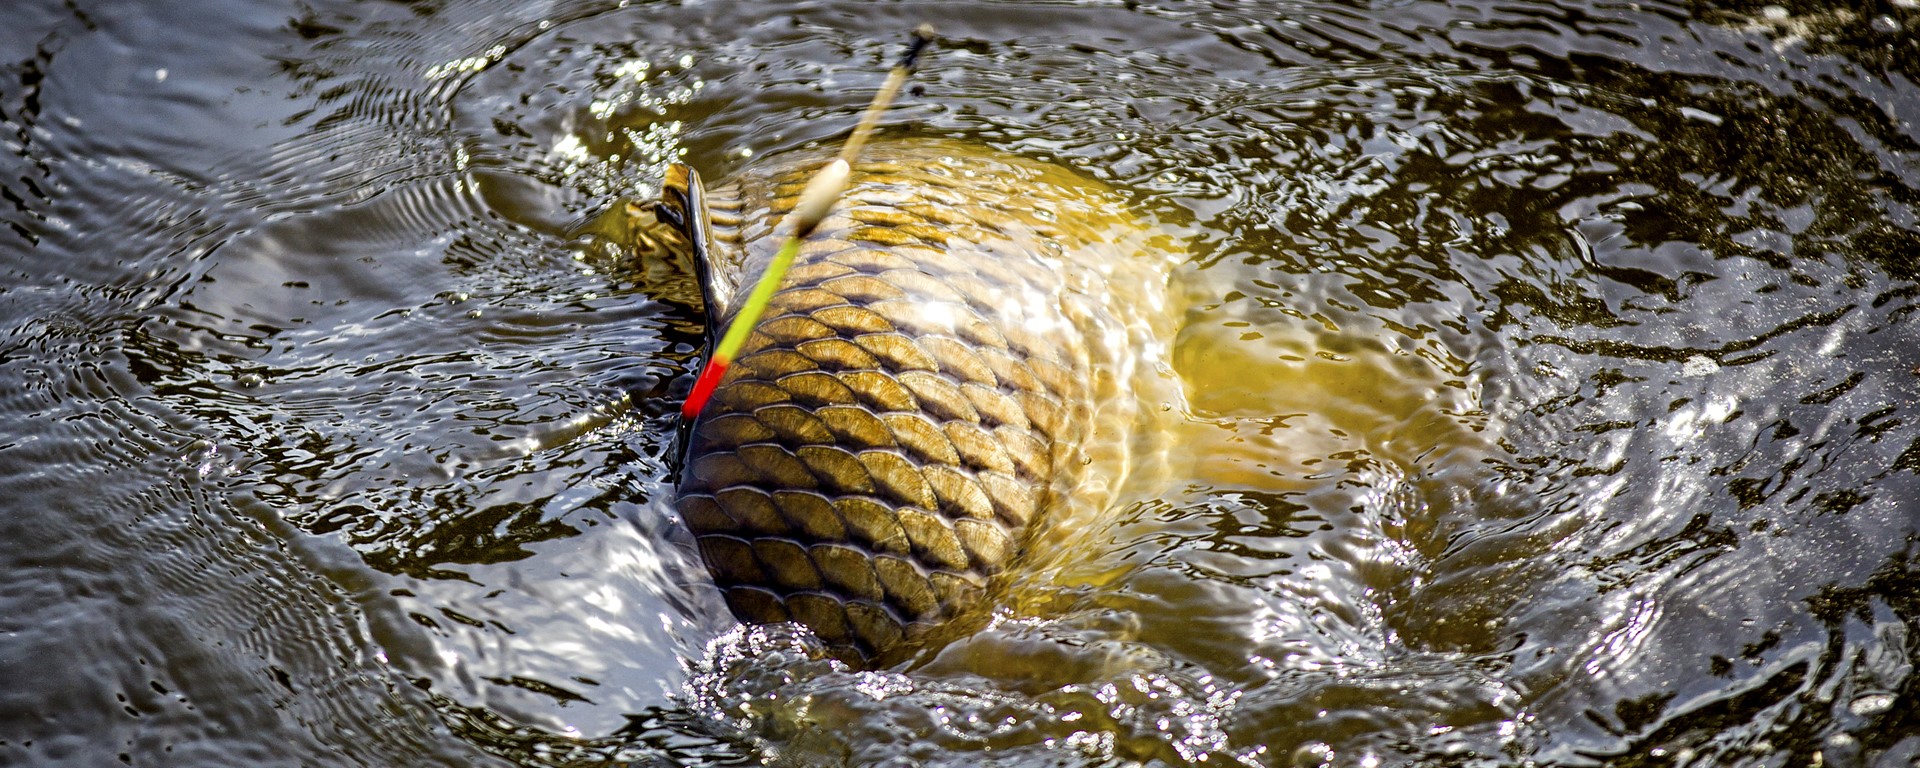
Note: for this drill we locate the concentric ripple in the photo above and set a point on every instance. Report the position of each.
(1541, 385)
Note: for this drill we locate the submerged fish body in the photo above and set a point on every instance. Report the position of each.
(923, 387)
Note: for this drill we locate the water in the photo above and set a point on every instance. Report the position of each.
(1549, 381)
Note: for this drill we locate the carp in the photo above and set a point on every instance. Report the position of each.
(943, 367)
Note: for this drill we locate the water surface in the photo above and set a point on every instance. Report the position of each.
(1548, 375)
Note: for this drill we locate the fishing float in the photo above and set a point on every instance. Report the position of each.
(821, 192)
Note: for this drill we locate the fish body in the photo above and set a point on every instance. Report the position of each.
(922, 388)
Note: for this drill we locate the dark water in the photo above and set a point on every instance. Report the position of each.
(1552, 386)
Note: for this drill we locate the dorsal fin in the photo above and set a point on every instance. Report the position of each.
(683, 206)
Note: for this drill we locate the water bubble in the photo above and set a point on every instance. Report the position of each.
(1871, 704)
(206, 459)
(1313, 753)
(1698, 365)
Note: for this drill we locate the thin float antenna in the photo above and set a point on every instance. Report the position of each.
(820, 194)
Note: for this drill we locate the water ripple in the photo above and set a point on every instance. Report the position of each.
(1546, 383)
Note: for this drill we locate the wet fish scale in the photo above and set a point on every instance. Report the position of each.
(877, 451)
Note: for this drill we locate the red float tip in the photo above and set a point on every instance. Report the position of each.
(703, 388)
